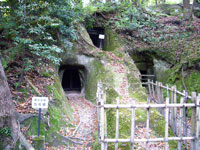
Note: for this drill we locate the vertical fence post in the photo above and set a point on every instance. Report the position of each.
(132, 123)
(167, 90)
(175, 111)
(153, 92)
(117, 125)
(149, 87)
(161, 93)
(102, 124)
(166, 123)
(185, 127)
(197, 123)
(105, 122)
(98, 111)
(157, 92)
(172, 110)
(147, 128)
(162, 98)
(193, 118)
(180, 123)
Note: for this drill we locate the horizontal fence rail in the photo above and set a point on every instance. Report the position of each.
(147, 105)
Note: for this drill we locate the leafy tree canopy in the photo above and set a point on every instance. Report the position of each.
(43, 28)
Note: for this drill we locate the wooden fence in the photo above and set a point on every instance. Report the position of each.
(174, 112)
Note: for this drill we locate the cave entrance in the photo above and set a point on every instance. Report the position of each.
(145, 65)
(97, 36)
(73, 78)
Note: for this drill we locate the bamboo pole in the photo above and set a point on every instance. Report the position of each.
(157, 92)
(153, 90)
(105, 123)
(175, 111)
(149, 140)
(180, 124)
(172, 111)
(167, 90)
(193, 118)
(161, 92)
(149, 105)
(166, 123)
(170, 89)
(162, 98)
(117, 125)
(185, 119)
(102, 124)
(149, 87)
(197, 122)
(132, 123)
(98, 110)
(147, 127)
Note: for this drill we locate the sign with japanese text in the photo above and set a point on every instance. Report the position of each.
(101, 36)
(40, 102)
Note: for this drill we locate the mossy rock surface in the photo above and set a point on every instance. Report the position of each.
(58, 111)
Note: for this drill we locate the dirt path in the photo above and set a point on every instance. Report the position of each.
(85, 121)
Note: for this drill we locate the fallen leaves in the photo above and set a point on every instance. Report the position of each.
(84, 125)
(23, 92)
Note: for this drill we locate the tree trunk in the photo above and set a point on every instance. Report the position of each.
(187, 12)
(7, 108)
(8, 112)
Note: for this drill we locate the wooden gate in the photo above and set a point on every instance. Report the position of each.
(167, 105)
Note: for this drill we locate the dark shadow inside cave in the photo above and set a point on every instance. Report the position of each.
(73, 77)
(145, 65)
(97, 36)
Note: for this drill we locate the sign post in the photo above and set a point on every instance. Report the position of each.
(101, 37)
(39, 103)
(39, 117)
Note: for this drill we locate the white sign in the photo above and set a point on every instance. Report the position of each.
(101, 36)
(40, 102)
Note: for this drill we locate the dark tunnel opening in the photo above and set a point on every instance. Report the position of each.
(145, 64)
(73, 78)
(97, 36)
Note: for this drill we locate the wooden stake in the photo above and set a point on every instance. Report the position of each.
(102, 124)
(117, 126)
(166, 123)
(149, 87)
(147, 128)
(162, 98)
(172, 111)
(175, 112)
(180, 124)
(193, 118)
(153, 92)
(132, 123)
(167, 90)
(185, 119)
(197, 123)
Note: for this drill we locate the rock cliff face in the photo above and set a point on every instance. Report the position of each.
(112, 66)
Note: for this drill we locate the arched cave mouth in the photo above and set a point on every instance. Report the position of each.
(73, 78)
(97, 36)
(145, 64)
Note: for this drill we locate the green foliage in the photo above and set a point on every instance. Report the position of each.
(39, 27)
(134, 18)
(6, 131)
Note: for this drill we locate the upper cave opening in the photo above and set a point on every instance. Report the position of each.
(97, 36)
(73, 77)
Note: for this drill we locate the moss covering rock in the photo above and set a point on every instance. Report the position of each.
(59, 111)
